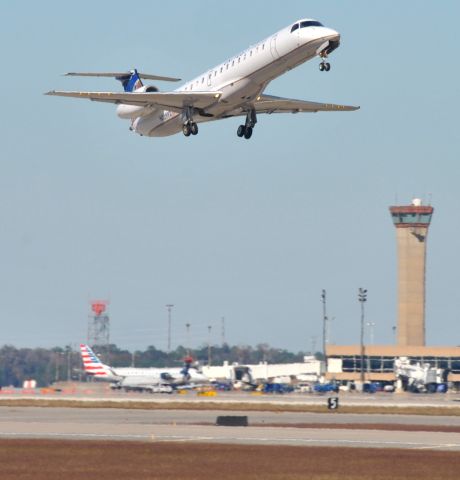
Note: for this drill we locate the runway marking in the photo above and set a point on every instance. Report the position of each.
(82, 435)
(447, 445)
(186, 438)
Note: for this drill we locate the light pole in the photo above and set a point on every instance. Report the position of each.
(362, 297)
(223, 330)
(56, 373)
(169, 307)
(69, 352)
(187, 326)
(323, 299)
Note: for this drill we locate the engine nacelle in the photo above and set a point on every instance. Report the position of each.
(147, 89)
(133, 111)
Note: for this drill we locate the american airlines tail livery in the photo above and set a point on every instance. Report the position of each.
(235, 88)
(148, 379)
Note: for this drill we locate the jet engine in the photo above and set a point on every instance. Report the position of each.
(133, 111)
(147, 89)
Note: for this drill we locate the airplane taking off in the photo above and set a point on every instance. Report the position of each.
(150, 379)
(233, 88)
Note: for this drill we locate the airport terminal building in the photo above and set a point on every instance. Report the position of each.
(344, 362)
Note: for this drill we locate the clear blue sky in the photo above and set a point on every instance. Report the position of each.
(249, 230)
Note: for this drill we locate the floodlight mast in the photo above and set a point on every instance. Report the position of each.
(187, 326)
(169, 306)
(362, 297)
(323, 299)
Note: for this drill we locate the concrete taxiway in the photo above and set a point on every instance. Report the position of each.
(198, 426)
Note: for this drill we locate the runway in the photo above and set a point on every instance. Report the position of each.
(202, 417)
(198, 426)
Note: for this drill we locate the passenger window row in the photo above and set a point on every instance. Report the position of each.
(243, 56)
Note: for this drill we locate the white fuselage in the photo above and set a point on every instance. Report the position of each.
(159, 375)
(241, 79)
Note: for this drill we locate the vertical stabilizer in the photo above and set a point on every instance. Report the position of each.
(93, 366)
(131, 81)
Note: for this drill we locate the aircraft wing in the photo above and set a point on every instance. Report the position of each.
(174, 101)
(271, 104)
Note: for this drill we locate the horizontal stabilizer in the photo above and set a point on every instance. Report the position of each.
(146, 76)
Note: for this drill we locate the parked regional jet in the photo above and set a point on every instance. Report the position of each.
(233, 88)
(142, 378)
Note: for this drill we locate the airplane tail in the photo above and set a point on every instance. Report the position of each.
(185, 370)
(131, 81)
(93, 366)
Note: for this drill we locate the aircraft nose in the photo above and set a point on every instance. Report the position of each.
(332, 35)
(331, 38)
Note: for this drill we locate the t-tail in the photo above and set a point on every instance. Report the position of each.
(93, 366)
(185, 370)
(131, 80)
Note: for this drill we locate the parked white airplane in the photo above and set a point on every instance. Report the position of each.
(141, 378)
(233, 88)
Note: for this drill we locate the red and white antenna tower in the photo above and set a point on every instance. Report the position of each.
(98, 323)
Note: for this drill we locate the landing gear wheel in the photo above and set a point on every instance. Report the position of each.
(327, 66)
(248, 133)
(186, 130)
(194, 128)
(321, 66)
(241, 130)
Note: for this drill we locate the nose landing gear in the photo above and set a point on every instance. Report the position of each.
(324, 66)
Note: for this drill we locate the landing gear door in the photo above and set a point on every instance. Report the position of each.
(273, 49)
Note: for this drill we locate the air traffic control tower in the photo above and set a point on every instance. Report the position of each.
(411, 224)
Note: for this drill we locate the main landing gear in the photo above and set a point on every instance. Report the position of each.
(246, 129)
(190, 127)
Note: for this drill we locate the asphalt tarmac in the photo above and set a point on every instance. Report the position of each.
(199, 426)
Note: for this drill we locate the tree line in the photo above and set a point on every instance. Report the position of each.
(48, 366)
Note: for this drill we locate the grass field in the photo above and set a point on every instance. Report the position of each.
(83, 460)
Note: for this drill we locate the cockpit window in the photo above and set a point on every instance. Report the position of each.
(294, 27)
(310, 23)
